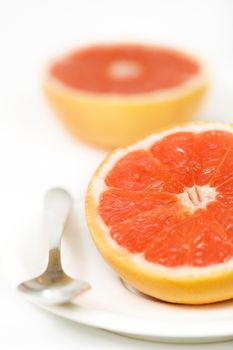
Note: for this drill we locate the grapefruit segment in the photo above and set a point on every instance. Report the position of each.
(175, 152)
(224, 171)
(170, 248)
(210, 149)
(139, 171)
(226, 187)
(210, 243)
(224, 217)
(164, 219)
(117, 205)
(225, 191)
(136, 234)
(226, 198)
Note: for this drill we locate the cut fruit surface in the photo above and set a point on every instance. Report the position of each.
(161, 212)
(114, 94)
(124, 69)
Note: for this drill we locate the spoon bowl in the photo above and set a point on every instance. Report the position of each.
(54, 286)
(49, 292)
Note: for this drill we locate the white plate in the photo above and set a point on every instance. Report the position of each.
(109, 305)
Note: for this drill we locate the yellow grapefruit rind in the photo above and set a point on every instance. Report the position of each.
(110, 120)
(215, 286)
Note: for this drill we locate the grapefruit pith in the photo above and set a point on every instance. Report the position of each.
(161, 213)
(114, 94)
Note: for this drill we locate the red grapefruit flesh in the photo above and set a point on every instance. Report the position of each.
(181, 161)
(168, 201)
(115, 94)
(127, 69)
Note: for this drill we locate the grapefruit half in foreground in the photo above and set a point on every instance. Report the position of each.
(114, 94)
(161, 213)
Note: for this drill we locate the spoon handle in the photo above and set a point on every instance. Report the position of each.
(57, 205)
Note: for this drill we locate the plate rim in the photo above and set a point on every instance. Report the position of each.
(63, 311)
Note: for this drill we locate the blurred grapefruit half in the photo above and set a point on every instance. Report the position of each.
(161, 213)
(114, 94)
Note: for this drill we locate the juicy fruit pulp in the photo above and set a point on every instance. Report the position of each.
(173, 202)
(112, 95)
(127, 69)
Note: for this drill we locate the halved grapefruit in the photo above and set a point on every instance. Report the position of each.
(113, 94)
(161, 213)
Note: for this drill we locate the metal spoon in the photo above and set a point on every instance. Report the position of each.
(54, 286)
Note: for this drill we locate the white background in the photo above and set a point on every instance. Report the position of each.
(36, 153)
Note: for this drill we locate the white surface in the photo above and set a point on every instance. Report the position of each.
(117, 310)
(36, 152)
